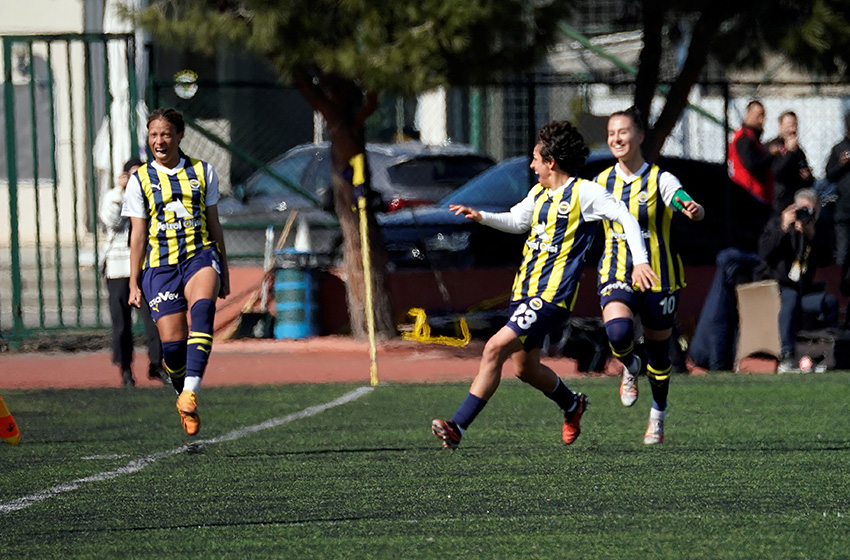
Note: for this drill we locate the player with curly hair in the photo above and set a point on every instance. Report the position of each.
(651, 196)
(561, 214)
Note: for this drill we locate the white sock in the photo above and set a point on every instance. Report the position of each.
(192, 383)
(657, 414)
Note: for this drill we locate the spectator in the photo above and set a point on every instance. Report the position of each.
(749, 160)
(792, 247)
(713, 343)
(838, 172)
(791, 171)
(116, 269)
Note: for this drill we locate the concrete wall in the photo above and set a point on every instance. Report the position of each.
(36, 17)
(25, 17)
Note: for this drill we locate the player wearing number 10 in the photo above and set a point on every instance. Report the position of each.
(651, 195)
(561, 212)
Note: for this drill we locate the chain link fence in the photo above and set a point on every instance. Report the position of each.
(240, 127)
(243, 128)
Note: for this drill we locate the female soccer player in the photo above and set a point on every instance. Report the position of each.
(177, 255)
(559, 212)
(651, 195)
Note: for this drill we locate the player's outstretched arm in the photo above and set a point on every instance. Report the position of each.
(467, 211)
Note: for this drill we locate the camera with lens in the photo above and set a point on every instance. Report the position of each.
(805, 215)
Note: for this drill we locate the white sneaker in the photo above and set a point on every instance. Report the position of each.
(654, 432)
(787, 365)
(628, 385)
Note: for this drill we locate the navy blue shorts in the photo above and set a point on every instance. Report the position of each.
(162, 286)
(532, 319)
(657, 310)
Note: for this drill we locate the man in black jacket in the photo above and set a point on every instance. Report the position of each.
(791, 170)
(838, 172)
(791, 248)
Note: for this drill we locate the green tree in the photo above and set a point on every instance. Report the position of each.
(341, 53)
(813, 34)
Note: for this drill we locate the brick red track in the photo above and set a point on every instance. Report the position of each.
(255, 362)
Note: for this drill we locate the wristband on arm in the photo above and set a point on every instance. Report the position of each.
(681, 195)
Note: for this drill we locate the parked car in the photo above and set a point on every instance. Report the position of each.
(434, 236)
(404, 175)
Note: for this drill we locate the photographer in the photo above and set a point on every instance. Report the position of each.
(792, 246)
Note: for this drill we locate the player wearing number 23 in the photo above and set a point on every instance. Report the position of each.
(561, 214)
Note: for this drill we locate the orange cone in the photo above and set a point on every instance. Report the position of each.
(8, 430)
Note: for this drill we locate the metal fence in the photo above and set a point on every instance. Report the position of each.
(68, 121)
(67, 118)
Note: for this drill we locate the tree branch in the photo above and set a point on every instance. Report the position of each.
(310, 87)
(702, 38)
(650, 56)
(370, 104)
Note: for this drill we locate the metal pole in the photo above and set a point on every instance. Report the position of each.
(358, 165)
(12, 161)
(57, 254)
(74, 186)
(91, 187)
(475, 118)
(728, 191)
(36, 194)
(133, 98)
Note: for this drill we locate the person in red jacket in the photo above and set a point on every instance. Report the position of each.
(749, 160)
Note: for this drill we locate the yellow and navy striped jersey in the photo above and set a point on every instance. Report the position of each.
(175, 205)
(645, 198)
(554, 253)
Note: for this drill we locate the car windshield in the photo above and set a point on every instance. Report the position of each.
(437, 171)
(289, 168)
(501, 186)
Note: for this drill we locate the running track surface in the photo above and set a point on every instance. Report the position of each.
(255, 362)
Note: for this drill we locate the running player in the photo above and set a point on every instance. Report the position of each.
(651, 195)
(560, 212)
(177, 255)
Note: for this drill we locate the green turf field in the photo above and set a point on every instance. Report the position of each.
(752, 467)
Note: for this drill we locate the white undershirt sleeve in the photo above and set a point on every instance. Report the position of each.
(598, 204)
(669, 185)
(213, 193)
(516, 220)
(134, 199)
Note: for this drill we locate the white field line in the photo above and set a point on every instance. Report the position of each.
(138, 464)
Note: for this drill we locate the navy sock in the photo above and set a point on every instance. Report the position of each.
(200, 337)
(174, 360)
(658, 369)
(468, 411)
(563, 396)
(621, 339)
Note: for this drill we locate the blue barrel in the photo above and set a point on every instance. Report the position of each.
(295, 303)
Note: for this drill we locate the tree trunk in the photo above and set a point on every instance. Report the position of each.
(345, 107)
(702, 39)
(646, 80)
